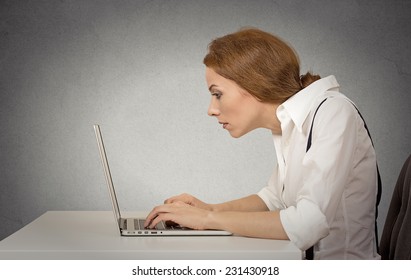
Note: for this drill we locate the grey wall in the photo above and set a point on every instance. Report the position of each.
(136, 68)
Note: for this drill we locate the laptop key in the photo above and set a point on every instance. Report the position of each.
(161, 226)
(140, 223)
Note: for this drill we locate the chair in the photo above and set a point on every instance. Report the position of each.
(396, 236)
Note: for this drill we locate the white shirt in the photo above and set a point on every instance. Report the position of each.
(327, 195)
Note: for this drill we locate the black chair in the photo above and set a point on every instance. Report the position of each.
(396, 236)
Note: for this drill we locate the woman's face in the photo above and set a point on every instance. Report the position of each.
(237, 110)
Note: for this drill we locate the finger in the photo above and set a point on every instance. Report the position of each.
(170, 200)
(174, 198)
(186, 198)
(162, 217)
(153, 218)
(167, 213)
(154, 213)
(149, 222)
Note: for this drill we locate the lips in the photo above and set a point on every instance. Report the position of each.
(224, 124)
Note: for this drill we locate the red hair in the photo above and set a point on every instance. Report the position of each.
(259, 62)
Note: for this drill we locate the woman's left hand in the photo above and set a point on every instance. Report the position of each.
(180, 213)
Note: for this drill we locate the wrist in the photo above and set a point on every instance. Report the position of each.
(210, 222)
(215, 207)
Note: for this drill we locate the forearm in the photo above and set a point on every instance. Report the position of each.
(250, 203)
(265, 224)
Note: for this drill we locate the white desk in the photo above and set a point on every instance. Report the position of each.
(93, 235)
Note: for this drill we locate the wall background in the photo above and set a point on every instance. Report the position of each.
(136, 68)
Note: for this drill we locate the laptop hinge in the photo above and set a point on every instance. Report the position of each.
(123, 223)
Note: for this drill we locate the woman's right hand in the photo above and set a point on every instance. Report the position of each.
(191, 200)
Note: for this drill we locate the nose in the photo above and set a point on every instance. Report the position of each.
(213, 111)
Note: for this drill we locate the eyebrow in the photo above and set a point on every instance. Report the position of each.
(211, 87)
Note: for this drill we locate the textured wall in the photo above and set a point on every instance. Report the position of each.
(136, 68)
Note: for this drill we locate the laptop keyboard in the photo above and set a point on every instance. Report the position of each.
(139, 224)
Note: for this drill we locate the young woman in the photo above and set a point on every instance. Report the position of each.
(323, 190)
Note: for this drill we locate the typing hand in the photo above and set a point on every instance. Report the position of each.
(179, 213)
(190, 200)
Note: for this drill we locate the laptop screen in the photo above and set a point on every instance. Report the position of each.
(107, 173)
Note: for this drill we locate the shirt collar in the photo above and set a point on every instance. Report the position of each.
(299, 105)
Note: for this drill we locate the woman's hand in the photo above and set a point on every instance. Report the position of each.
(190, 200)
(178, 212)
(251, 218)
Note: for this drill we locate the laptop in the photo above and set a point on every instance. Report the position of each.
(134, 226)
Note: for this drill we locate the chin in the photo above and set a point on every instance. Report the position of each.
(237, 134)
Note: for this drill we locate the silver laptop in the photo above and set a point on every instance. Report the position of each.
(135, 226)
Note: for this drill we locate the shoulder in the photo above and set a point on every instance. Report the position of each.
(334, 112)
(335, 104)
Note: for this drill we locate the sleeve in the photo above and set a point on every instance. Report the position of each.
(326, 168)
(270, 194)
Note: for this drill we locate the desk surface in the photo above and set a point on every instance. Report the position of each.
(93, 235)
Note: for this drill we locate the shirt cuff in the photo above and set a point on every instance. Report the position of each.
(304, 224)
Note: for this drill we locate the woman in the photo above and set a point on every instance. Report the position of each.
(322, 194)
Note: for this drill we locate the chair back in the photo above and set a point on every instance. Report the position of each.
(396, 236)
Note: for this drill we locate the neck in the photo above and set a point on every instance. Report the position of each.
(269, 118)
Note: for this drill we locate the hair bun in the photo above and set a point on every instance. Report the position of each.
(308, 79)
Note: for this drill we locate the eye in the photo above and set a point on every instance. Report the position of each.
(217, 94)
